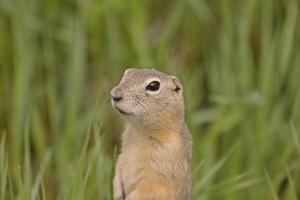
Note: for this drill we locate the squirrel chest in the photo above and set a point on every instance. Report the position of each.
(148, 158)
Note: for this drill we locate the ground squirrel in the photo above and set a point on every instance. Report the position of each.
(155, 158)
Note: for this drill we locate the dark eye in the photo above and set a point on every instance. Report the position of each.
(153, 86)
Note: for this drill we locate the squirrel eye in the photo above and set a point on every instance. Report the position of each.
(153, 86)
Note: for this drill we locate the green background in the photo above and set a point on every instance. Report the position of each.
(238, 60)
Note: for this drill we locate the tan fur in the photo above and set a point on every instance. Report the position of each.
(155, 159)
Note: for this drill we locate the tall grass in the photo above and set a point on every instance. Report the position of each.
(239, 62)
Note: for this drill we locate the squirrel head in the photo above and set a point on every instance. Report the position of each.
(149, 99)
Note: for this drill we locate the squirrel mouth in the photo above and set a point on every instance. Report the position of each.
(119, 109)
(122, 111)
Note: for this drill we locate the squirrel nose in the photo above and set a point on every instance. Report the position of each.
(116, 95)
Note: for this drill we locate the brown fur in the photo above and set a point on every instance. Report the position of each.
(155, 159)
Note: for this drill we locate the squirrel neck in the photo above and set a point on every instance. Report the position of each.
(161, 132)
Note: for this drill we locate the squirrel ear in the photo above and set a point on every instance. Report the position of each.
(176, 84)
(127, 70)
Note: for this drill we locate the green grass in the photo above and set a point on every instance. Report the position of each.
(239, 62)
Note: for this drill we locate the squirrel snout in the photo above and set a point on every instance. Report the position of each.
(116, 95)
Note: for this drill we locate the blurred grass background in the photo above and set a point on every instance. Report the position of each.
(239, 62)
